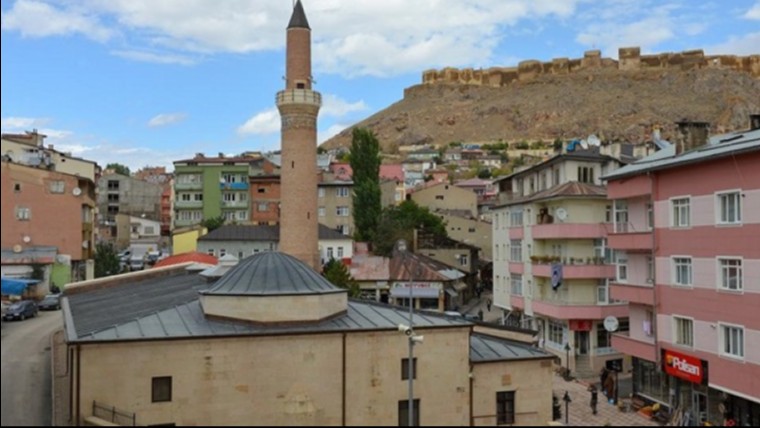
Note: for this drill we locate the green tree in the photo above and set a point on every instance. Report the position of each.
(106, 260)
(338, 274)
(399, 222)
(365, 163)
(119, 168)
(213, 222)
(484, 173)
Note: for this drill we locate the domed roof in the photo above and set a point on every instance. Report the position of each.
(270, 274)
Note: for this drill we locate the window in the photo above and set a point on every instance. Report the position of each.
(681, 212)
(228, 215)
(198, 197)
(622, 266)
(650, 216)
(732, 340)
(184, 197)
(403, 413)
(342, 211)
(344, 229)
(555, 177)
(729, 208)
(330, 253)
(321, 211)
(603, 339)
(471, 230)
(608, 214)
(229, 197)
(621, 216)
(222, 252)
(516, 282)
(515, 250)
(496, 222)
(505, 408)
(240, 255)
(149, 230)
(684, 331)
(648, 323)
(341, 192)
(321, 192)
(229, 178)
(161, 389)
(556, 333)
(263, 207)
(114, 197)
(187, 179)
(586, 174)
(113, 184)
(602, 292)
(405, 368)
(242, 215)
(23, 213)
(650, 270)
(516, 218)
(340, 252)
(463, 259)
(496, 252)
(682, 272)
(730, 275)
(439, 197)
(57, 186)
(16, 187)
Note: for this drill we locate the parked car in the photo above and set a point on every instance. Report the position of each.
(21, 310)
(136, 263)
(51, 302)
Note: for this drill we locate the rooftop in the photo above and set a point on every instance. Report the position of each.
(262, 232)
(570, 189)
(485, 348)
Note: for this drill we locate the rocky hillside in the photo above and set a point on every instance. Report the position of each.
(611, 104)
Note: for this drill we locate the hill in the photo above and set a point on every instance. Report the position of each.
(608, 100)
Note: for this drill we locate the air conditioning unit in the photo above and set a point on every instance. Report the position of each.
(650, 281)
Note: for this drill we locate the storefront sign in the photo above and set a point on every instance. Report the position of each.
(580, 325)
(684, 367)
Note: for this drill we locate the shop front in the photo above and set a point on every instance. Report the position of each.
(425, 295)
(692, 402)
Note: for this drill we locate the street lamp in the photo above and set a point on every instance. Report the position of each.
(567, 401)
(567, 360)
(401, 247)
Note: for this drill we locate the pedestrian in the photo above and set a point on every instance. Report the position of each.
(609, 388)
(603, 377)
(480, 314)
(594, 398)
(488, 305)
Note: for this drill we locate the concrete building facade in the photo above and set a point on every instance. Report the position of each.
(120, 194)
(686, 221)
(444, 196)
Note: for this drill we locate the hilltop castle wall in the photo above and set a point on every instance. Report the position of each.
(630, 59)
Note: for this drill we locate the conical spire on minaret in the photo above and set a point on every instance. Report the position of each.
(298, 19)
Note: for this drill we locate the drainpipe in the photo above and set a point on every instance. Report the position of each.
(343, 386)
(655, 300)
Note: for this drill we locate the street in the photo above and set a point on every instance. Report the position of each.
(26, 396)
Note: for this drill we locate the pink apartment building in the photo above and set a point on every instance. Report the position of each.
(686, 236)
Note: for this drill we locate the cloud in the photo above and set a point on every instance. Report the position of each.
(743, 45)
(331, 131)
(351, 38)
(37, 19)
(265, 122)
(15, 124)
(156, 58)
(753, 12)
(332, 106)
(165, 119)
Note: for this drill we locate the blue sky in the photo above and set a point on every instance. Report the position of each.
(146, 82)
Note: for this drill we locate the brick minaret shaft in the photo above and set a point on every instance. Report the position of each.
(299, 106)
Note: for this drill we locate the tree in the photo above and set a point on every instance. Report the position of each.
(399, 222)
(119, 168)
(484, 173)
(338, 274)
(106, 260)
(213, 222)
(365, 163)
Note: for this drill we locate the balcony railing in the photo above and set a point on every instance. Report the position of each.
(188, 186)
(188, 204)
(298, 96)
(573, 271)
(629, 236)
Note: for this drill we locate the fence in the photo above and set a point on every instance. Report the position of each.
(114, 415)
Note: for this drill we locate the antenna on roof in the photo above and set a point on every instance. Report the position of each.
(593, 140)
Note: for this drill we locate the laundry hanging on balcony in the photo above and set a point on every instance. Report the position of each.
(556, 276)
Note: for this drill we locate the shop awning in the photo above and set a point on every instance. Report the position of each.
(16, 286)
(451, 292)
(417, 292)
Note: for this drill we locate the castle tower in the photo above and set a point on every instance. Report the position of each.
(299, 106)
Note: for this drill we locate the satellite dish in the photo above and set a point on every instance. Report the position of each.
(611, 323)
(85, 244)
(76, 191)
(27, 239)
(17, 248)
(561, 213)
(584, 144)
(60, 259)
(593, 140)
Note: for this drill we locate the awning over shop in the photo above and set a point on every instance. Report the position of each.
(417, 292)
(451, 292)
(16, 286)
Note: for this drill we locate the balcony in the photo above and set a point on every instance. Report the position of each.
(517, 302)
(233, 186)
(188, 204)
(569, 231)
(234, 204)
(586, 312)
(643, 295)
(576, 271)
(188, 186)
(630, 237)
(298, 96)
(623, 343)
(185, 223)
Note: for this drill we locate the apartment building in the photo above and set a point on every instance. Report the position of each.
(551, 264)
(208, 187)
(121, 194)
(686, 227)
(444, 196)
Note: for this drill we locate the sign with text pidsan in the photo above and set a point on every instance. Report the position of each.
(685, 367)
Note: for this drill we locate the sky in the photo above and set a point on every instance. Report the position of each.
(148, 82)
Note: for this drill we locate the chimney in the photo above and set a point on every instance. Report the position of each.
(199, 156)
(221, 155)
(754, 122)
(691, 135)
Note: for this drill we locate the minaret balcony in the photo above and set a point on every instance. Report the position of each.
(299, 96)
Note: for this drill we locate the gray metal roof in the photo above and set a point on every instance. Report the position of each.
(485, 348)
(262, 232)
(719, 146)
(188, 321)
(298, 19)
(272, 273)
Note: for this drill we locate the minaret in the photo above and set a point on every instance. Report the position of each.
(299, 106)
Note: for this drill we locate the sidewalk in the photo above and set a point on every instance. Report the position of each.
(481, 304)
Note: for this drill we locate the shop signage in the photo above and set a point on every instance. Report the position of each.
(684, 367)
(580, 325)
